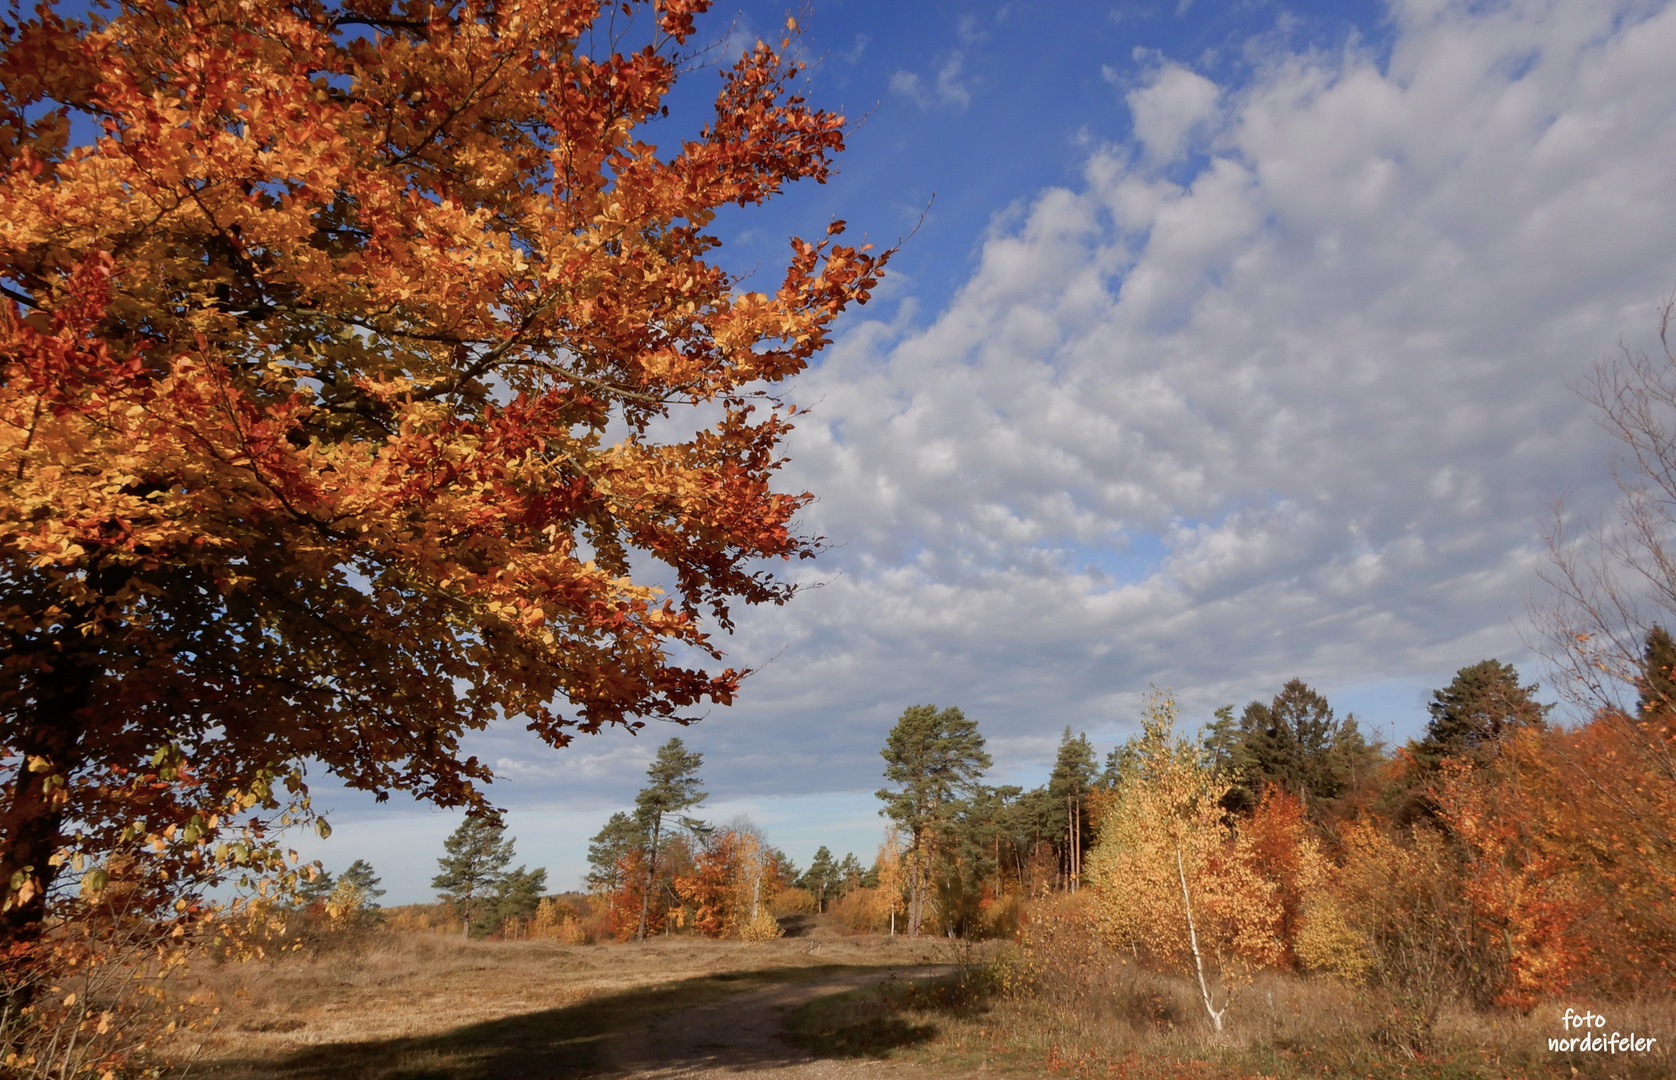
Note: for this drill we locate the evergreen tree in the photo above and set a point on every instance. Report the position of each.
(360, 876)
(1482, 703)
(314, 892)
(473, 868)
(1294, 742)
(1073, 777)
(934, 758)
(849, 874)
(1223, 742)
(1658, 675)
(821, 879)
(620, 836)
(673, 786)
(518, 894)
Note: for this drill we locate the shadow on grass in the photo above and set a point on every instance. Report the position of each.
(554, 1043)
(880, 1020)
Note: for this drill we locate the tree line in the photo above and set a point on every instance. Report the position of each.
(1497, 859)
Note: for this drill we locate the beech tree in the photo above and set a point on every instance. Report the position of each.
(336, 372)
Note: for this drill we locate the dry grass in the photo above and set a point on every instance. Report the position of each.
(1076, 1008)
(410, 1005)
(395, 987)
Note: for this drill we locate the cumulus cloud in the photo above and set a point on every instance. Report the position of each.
(1169, 108)
(1288, 406)
(1295, 413)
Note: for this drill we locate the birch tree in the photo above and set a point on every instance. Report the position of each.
(1172, 882)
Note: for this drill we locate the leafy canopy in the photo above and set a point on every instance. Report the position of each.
(338, 379)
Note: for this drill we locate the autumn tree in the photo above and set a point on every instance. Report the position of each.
(1614, 592)
(672, 785)
(1171, 880)
(933, 757)
(339, 365)
(728, 885)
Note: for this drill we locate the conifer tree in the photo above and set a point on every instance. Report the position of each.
(360, 876)
(850, 872)
(620, 836)
(821, 879)
(1073, 777)
(934, 758)
(673, 786)
(1480, 706)
(473, 867)
(1295, 742)
(518, 893)
(1658, 675)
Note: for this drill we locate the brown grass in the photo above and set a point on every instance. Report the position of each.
(1070, 1005)
(394, 986)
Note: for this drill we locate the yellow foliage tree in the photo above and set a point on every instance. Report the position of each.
(1172, 882)
(891, 878)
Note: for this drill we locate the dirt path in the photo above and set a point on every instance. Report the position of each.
(740, 1037)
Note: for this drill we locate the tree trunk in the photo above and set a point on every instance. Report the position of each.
(32, 817)
(1193, 940)
(916, 888)
(651, 876)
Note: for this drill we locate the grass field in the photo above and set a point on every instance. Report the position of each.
(411, 1006)
(425, 1005)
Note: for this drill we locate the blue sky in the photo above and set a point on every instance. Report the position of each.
(1239, 342)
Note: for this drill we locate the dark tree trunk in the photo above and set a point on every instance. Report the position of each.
(651, 876)
(32, 812)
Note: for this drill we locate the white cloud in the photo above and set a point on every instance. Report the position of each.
(1168, 108)
(1293, 414)
(946, 89)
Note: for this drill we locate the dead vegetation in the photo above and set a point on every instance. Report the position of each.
(394, 993)
(1069, 1004)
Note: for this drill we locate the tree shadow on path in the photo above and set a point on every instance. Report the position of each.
(725, 1022)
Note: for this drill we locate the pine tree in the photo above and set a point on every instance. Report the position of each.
(673, 786)
(360, 876)
(1073, 777)
(1295, 742)
(315, 891)
(621, 835)
(933, 757)
(821, 879)
(1483, 704)
(473, 867)
(1658, 675)
(849, 874)
(518, 893)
